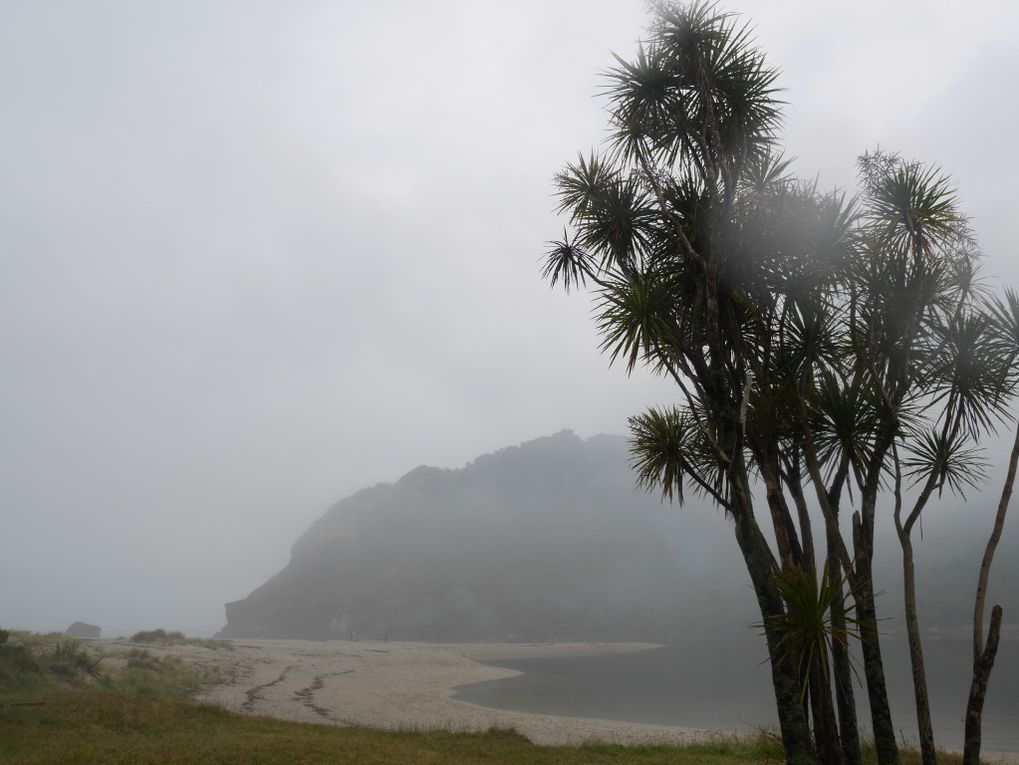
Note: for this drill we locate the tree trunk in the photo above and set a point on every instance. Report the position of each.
(873, 665)
(806, 532)
(928, 754)
(978, 690)
(792, 719)
(983, 656)
(812, 708)
(844, 695)
(826, 731)
(992, 546)
(789, 550)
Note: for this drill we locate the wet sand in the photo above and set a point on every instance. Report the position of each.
(406, 686)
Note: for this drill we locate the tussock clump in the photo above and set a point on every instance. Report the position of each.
(30, 661)
(162, 676)
(161, 637)
(71, 659)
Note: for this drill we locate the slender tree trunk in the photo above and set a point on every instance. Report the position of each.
(803, 515)
(845, 697)
(789, 549)
(928, 754)
(826, 730)
(844, 694)
(873, 665)
(978, 691)
(992, 546)
(792, 719)
(866, 611)
(861, 575)
(812, 708)
(983, 656)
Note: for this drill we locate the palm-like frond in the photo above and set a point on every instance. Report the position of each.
(745, 99)
(1003, 312)
(611, 213)
(617, 223)
(635, 317)
(700, 92)
(805, 629)
(668, 449)
(948, 458)
(965, 371)
(912, 208)
(846, 420)
(566, 261)
(582, 183)
(649, 108)
(767, 173)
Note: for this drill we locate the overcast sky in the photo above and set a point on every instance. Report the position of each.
(255, 256)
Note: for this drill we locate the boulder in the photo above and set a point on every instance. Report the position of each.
(83, 630)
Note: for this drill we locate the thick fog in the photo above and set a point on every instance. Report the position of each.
(551, 541)
(255, 256)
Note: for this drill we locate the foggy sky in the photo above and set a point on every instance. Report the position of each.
(255, 256)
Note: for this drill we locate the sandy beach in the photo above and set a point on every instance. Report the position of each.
(400, 686)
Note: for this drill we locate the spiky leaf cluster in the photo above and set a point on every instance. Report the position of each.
(792, 320)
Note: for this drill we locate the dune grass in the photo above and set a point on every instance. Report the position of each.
(161, 637)
(30, 661)
(32, 664)
(167, 677)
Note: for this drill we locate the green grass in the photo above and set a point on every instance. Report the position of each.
(90, 726)
(163, 676)
(30, 662)
(96, 727)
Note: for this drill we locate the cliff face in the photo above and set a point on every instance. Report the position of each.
(551, 541)
(546, 541)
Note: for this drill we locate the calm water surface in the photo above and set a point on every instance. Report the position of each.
(725, 686)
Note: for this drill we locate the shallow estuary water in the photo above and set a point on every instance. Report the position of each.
(725, 686)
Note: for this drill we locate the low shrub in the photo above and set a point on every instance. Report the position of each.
(161, 637)
(164, 676)
(32, 662)
(73, 660)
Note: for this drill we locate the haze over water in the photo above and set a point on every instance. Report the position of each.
(725, 686)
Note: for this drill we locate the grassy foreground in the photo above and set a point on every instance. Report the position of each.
(97, 727)
(90, 726)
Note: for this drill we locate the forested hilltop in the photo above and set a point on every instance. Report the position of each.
(550, 541)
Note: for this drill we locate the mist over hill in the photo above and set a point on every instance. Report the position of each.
(551, 541)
